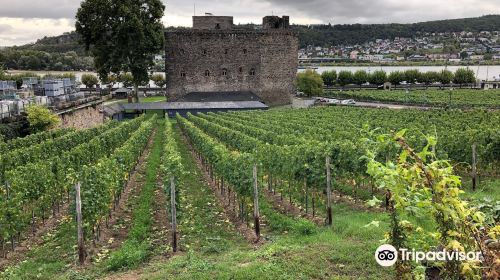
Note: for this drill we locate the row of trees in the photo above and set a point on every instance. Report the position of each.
(89, 80)
(379, 77)
(44, 61)
(312, 83)
(126, 79)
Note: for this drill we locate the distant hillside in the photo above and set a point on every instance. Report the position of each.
(67, 53)
(328, 35)
(58, 44)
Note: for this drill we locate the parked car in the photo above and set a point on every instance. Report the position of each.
(348, 102)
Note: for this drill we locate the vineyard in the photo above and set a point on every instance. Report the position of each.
(281, 194)
(457, 98)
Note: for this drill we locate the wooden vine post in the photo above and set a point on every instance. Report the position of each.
(474, 168)
(79, 223)
(328, 191)
(173, 211)
(256, 203)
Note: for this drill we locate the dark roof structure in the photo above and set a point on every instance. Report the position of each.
(221, 96)
(183, 108)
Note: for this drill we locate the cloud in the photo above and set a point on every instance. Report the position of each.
(47, 9)
(38, 18)
(4, 28)
(387, 11)
(18, 31)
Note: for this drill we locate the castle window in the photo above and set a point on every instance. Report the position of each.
(204, 52)
(252, 72)
(224, 72)
(207, 73)
(217, 26)
(226, 51)
(244, 51)
(241, 69)
(183, 74)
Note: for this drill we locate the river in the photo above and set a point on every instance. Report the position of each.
(483, 72)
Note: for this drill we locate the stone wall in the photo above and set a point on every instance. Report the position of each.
(212, 22)
(84, 118)
(262, 61)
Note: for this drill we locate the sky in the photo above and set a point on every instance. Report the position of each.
(25, 21)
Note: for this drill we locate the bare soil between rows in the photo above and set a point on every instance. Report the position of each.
(115, 233)
(228, 210)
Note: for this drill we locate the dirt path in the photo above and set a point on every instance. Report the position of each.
(113, 236)
(161, 227)
(282, 205)
(222, 200)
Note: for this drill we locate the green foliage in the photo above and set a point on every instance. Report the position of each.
(137, 248)
(378, 77)
(446, 77)
(89, 80)
(129, 45)
(310, 82)
(126, 79)
(328, 35)
(412, 76)
(464, 76)
(426, 187)
(159, 80)
(360, 77)
(40, 58)
(461, 98)
(396, 77)
(329, 77)
(40, 118)
(345, 78)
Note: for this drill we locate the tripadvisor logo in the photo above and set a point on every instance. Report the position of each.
(386, 255)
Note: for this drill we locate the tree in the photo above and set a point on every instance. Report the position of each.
(429, 77)
(396, 77)
(159, 80)
(329, 77)
(360, 77)
(445, 77)
(126, 79)
(464, 76)
(345, 78)
(40, 118)
(123, 36)
(412, 75)
(2, 73)
(310, 83)
(378, 77)
(89, 80)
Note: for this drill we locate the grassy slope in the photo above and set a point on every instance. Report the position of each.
(211, 248)
(431, 97)
(213, 251)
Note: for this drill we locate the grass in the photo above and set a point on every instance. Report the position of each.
(343, 252)
(136, 249)
(296, 248)
(151, 99)
(211, 248)
(53, 256)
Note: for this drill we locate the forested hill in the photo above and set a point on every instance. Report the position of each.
(66, 42)
(328, 35)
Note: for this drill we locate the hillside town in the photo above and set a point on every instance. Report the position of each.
(453, 47)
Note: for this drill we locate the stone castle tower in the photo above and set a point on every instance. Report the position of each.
(214, 56)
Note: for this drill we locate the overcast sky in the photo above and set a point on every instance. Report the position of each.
(24, 21)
